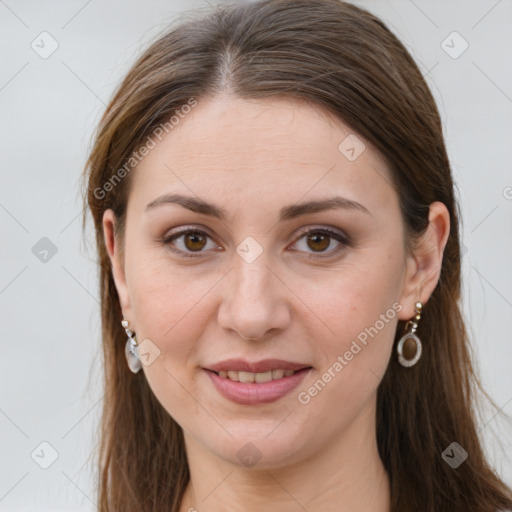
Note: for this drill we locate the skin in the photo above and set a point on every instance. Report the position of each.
(252, 157)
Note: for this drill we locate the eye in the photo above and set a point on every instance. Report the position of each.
(190, 242)
(319, 239)
(193, 240)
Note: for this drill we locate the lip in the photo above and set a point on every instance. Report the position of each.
(253, 393)
(265, 365)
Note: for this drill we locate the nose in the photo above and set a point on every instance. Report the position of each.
(255, 302)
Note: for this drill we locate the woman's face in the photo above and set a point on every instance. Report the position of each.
(250, 285)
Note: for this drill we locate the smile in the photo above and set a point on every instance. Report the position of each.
(255, 377)
(249, 388)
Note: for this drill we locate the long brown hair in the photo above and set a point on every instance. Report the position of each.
(346, 60)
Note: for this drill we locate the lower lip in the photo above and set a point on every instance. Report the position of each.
(252, 393)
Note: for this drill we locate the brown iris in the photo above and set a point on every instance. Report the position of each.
(194, 241)
(320, 239)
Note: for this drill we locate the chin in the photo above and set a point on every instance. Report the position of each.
(260, 448)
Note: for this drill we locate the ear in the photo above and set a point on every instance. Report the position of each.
(424, 267)
(112, 245)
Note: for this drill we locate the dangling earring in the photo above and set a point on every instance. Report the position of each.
(131, 349)
(409, 344)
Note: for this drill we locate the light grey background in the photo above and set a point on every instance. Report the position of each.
(50, 311)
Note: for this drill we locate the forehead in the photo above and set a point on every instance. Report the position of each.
(259, 151)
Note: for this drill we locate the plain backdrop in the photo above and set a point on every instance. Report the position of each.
(50, 363)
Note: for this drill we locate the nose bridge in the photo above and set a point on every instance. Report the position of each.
(253, 300)
(251, 276)
(251, 280)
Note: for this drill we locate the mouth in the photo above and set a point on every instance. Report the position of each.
(256, 383)
(260, 377)
(263, 366)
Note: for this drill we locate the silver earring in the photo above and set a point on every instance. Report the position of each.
(131, 349)
(409, 344)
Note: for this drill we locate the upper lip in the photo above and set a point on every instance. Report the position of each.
(265, 365)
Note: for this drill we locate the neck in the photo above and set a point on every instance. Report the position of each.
(347, 475)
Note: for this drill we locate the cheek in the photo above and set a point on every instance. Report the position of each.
(167, 313)
(170, 305)
(353, 360)
(355, 297)
(153, 287)
(359, 310)
(171, 311)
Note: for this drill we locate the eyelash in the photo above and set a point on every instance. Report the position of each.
(342, 239)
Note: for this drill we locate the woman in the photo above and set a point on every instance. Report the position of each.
(280, 263)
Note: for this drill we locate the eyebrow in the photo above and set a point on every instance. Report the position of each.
(286, 213)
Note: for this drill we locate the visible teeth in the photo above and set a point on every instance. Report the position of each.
(255, 377)
(245, 377)
(277, 374)
(263, 377)
(233, 375)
